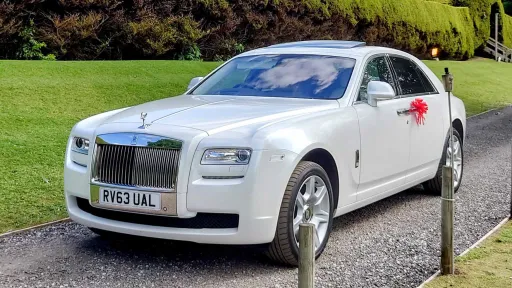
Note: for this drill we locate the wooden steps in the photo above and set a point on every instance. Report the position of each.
(504, 52)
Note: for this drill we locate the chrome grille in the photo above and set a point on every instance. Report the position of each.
(137, 166)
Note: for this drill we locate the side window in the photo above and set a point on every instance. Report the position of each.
(376, 70)
(410, 78)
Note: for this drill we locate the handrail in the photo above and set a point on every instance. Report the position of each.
(492, 42)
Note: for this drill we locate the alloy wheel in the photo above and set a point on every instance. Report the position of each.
(457, 159)
(312, 206)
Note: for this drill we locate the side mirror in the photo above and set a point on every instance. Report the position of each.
(379, 91)
(194, 81)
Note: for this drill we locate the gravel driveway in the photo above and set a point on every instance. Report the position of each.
(393, 243)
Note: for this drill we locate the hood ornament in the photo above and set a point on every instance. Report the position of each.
(143, 118)
(134, 140)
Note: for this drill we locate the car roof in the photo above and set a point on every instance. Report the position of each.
(351, 49)
(321, 44)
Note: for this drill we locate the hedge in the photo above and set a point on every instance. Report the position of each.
(401, 24)
(507, 30)
(218, 29)
(447, 2)
(482, 14)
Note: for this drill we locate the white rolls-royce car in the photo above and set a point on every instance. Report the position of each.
(291, 133)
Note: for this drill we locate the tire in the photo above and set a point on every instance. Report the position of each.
(284, 248)
(434, 186)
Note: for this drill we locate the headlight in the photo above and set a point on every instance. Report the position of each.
(80, 145)
(227, 156)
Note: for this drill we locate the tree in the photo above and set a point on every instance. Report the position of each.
(508, 6)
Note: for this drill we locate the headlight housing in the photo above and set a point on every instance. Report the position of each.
(80, 145)
(226, 156)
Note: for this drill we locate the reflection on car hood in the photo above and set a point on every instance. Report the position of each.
(218, 113)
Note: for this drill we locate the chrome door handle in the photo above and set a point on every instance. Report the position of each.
(405, 111)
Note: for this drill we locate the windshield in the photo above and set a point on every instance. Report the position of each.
(285, 76)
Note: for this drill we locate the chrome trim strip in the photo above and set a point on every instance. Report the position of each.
(222, 177)
(80, 151)
(404, 111)
(79, 164)
(418, 94)
(139, 139)
(136, 188)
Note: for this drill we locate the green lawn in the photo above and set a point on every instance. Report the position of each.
(483, 84)
(41, 101)
(489, 265)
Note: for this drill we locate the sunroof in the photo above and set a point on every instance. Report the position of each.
(321, 44)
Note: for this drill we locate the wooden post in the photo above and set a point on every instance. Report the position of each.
(496, 35)
(447, 257)
(306, 255)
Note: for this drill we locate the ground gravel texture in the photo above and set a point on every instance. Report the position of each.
(393, 243)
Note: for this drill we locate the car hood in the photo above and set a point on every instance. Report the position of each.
(218, 113)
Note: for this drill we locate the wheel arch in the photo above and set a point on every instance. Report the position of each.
(323, 158)
(457, 125)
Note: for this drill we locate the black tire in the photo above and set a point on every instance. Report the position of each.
(434, 185)
(283, 248)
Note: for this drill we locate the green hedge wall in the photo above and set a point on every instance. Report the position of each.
(482, 14)
(218, 29)
(411, 25)
(507, 30)
(447, 2)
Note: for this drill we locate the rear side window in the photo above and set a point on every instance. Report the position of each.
(410, 77)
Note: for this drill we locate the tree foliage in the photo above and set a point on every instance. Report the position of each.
(218, 29)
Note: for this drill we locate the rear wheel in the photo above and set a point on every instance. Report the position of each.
(434, 185)
(308, 199)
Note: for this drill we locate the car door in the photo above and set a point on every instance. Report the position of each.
(384, 135)
(426, 139)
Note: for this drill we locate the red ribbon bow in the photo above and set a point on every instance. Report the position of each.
(419, 107)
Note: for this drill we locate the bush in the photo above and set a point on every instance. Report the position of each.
(507, 5)
(447, 2)
(159, 37)
(482, 13)
(507, 31)
(31, 48)
(10, 27)
(219, 29)
(378, 22)
(398, 24)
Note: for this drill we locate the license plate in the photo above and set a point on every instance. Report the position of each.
(129, 199)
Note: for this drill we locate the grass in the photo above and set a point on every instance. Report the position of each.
(41, 101)
(489, 265)
(483, 84)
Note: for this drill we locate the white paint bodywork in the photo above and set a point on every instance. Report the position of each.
(396, 153)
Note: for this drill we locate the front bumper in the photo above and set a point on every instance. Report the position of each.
(253, 231)
(255, 198)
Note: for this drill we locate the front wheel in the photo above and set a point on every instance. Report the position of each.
(434, 185)
(308, 199)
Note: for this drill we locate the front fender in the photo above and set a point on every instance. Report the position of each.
(335, 131)
(459, 112)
